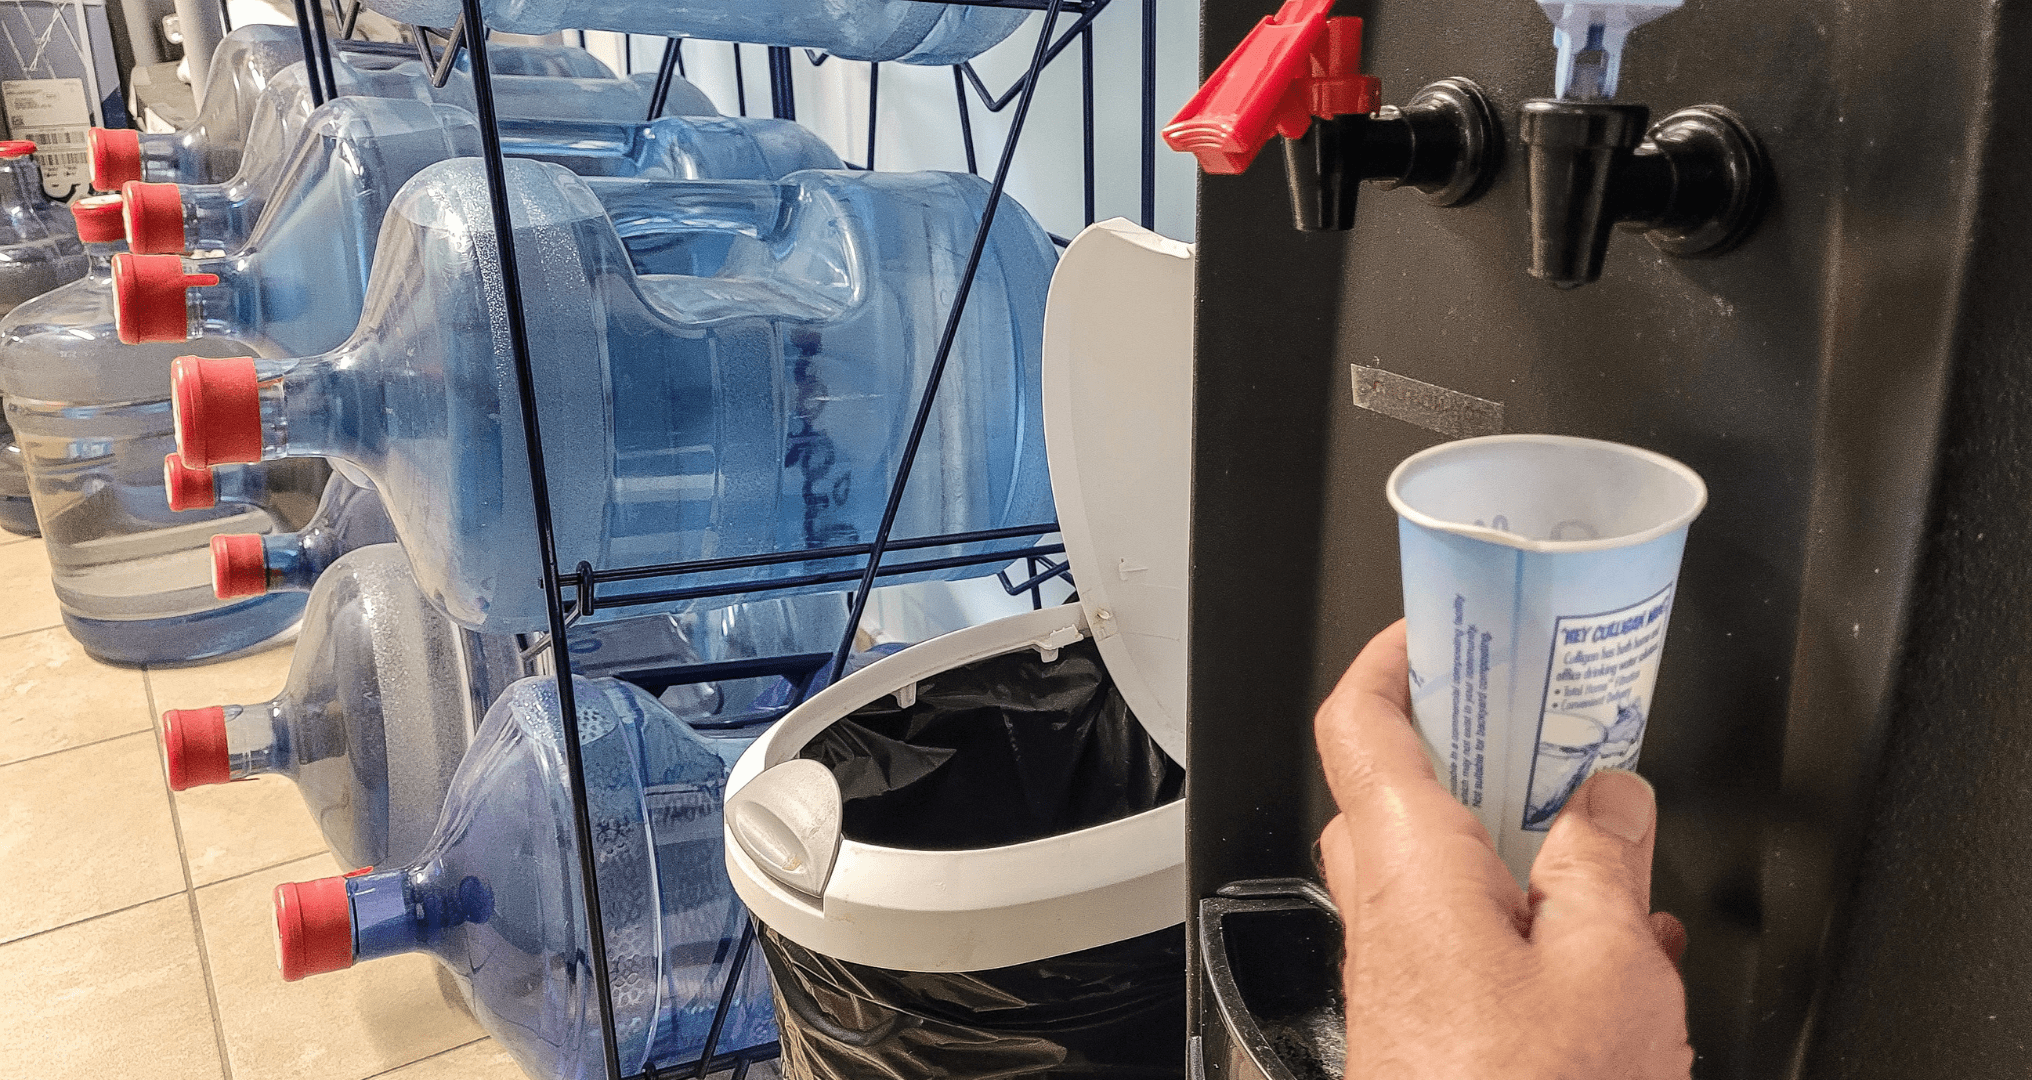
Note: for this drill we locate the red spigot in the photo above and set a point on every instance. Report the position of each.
(1295, 65)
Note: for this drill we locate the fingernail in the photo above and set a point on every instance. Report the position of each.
(1622, 803)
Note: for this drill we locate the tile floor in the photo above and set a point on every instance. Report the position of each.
(135, 928)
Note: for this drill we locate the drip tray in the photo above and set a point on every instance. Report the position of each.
(1272, 956)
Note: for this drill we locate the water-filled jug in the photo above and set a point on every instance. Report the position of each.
(93, 419)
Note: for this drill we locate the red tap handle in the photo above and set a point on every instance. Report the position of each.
(1295, 65)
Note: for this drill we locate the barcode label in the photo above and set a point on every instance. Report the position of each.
(54, 115)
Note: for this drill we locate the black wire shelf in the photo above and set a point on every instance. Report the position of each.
(572, 595)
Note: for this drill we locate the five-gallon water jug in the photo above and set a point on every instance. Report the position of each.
(243, 65)
(298, 284)
(348, 517)
(906, 30)
(371, 725)
(494, 896)
(94, 420)
(758, 405)
(278, 117)
(384, 693)
(356, 152)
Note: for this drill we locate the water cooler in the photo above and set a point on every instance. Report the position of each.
(1837, 740)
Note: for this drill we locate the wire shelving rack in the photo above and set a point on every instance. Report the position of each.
(570, 593)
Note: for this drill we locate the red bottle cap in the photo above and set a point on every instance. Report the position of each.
(154, 218)
(194, 747)
(239, 566)
(116, 156)
(99, 218)
(189, 489)
(149, 303)
(15, 148)
(217, 409)
(1295, 65)
(313, 927)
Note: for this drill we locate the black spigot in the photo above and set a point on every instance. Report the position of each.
(1298, 75)
(1694, 182)
(1444, 142)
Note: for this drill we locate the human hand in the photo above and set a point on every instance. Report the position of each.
(1452, 972)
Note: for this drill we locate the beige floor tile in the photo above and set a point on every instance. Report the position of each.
(483, 1060)
(53, 696)
(245, 680)
(341, 1026)
(30, 603)
(118, 996)
(84, 832)
(237, 828)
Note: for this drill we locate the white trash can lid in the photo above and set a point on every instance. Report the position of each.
(1117, 372)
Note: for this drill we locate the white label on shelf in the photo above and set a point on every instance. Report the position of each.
(54, 114)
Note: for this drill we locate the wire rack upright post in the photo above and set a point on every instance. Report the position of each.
(571, 595)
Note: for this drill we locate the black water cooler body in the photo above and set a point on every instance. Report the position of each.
(1842, 733)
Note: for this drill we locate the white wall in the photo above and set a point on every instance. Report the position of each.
(917, 122)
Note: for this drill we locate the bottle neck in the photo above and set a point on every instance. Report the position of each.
(239, 484)
(258, 738)
(219, 217)
(221, 310)
(412, 908)
(294, 560)
(171, 158)
(100, 259)
(317, 406)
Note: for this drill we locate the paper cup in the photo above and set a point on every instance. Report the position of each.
(1538, 581)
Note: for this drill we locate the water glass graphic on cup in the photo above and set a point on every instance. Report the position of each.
(1539, 575)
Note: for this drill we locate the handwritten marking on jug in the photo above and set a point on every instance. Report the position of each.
(1434, 408)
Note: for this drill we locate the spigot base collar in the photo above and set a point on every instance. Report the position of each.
(1457, 146)
(1720, 180)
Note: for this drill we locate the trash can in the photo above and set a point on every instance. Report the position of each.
(968, 858)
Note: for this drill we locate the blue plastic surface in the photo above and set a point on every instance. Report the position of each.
(298, 283)
(756, 404)
(279, 115)
(906, 30)
(384, 694)
(495, 897)
(250, 57)
(379, 143)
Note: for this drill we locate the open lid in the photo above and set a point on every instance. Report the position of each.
(1118, 433)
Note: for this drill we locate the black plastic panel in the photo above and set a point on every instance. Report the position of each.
(1813, 377)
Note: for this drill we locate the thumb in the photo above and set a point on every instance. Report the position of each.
(1594, 872)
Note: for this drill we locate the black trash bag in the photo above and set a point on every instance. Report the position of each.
(1002, 751)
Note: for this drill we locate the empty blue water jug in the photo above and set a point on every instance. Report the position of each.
(758, 404)
(356, 152)
(278, 118)
(494, 895)
(245, 62)
(93, 418)
(905, 30)
(298, 285)
(384, 693)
